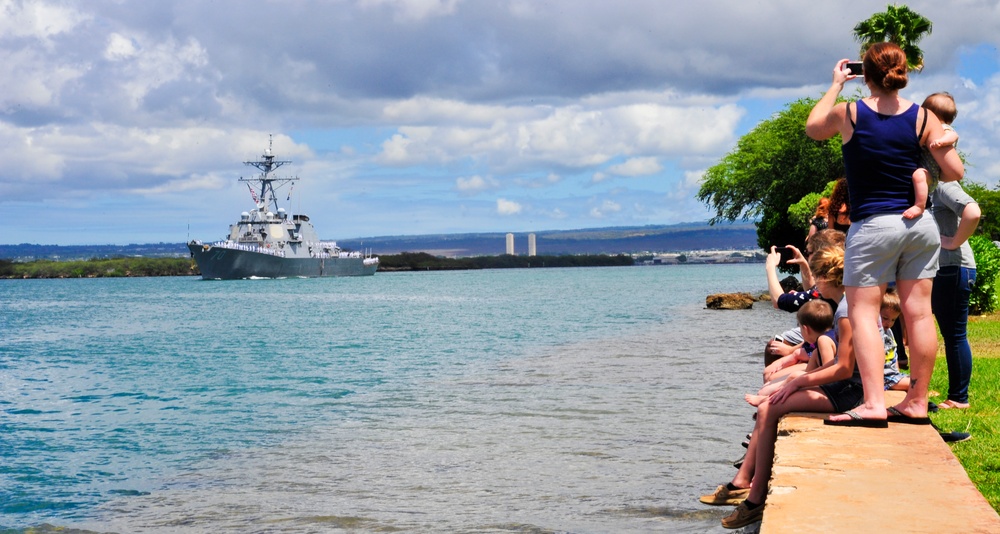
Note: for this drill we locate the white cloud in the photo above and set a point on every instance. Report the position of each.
(34, 83)
(978, 126)
(415, 10)
(637, 167)
(384, 103)
(196, 182)
(38, 19)
(475, 184)
(508, 207)
(119, 47)
(423, 110)
(140, 161)
(693, 179)
(536, 183)
(157, 64)
(607, 207)
(572, 136)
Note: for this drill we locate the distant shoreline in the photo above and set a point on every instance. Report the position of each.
(183, 266)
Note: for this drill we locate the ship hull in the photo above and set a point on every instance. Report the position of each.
(220, 263)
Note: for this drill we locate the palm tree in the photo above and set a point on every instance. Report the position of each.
(900, 25)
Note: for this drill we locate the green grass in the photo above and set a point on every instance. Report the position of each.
(981, 455)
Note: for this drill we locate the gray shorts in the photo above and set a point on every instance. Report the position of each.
(793, 336)
(886, 248)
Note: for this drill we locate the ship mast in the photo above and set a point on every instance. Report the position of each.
(267, 164)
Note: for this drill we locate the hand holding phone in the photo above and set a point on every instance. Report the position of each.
(786, 254)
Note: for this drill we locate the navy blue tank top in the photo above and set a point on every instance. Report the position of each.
(879, 161)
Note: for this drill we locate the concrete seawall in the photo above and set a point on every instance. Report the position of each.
(900, 479)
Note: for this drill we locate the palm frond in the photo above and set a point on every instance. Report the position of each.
(898, 24)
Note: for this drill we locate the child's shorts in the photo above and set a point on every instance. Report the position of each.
(886, 247)
(891, 379)
(844, 395)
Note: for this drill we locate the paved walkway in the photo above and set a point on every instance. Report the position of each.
(900, 479)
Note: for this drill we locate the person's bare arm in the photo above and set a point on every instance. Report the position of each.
(919, 195)
(773, 284)
(946, 156)
(827, 117)
(966, 226)
(799, 259)
(949, 138)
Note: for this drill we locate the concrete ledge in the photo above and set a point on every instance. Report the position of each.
(900, 479)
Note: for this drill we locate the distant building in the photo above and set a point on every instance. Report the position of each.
(532, 251)
(510, 244)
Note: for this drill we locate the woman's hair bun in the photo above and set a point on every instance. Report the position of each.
(896, 78)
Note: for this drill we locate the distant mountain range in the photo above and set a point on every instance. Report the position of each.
(614, 240)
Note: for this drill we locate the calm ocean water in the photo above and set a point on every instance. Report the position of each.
(543, 400)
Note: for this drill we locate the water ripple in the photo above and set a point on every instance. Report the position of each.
(561, 400)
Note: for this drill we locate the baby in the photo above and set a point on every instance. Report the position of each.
(924, 179)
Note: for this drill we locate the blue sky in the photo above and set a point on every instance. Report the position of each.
(128, 121)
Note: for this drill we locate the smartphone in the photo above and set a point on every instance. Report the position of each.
(786, 254)
(856, 68)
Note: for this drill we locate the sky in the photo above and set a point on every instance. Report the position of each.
(129, 121)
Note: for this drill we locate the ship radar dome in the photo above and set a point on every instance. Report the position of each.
(245, 215)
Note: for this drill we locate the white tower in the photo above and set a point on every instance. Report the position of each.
(532, 251)
(510, 244)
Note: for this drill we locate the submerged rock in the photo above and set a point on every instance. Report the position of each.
(729, 301)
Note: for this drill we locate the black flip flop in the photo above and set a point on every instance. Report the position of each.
(858, 421)
(896, 416)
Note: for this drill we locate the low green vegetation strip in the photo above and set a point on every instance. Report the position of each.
(981, 455)
(98, 268)
(407, 261)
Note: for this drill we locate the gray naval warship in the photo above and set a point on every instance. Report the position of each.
(268, 243)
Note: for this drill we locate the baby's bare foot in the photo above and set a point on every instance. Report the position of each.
(755, 400)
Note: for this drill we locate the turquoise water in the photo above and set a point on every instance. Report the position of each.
(542, 400)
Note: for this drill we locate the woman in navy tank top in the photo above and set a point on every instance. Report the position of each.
(882, 139)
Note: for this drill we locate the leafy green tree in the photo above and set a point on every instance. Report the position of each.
(984, 297)
(801, 213)
(898, 24)
(772, 167)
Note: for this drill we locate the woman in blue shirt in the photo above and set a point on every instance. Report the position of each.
(883, 135)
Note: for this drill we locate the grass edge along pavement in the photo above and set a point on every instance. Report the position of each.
(980, 456)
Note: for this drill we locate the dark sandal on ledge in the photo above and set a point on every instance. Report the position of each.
(858, 421)
(896, 416)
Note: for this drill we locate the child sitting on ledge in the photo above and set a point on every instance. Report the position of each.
(816, 324)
